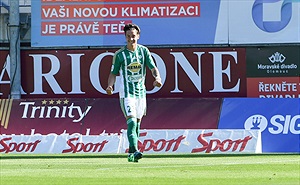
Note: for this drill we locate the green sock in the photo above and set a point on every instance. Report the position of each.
(132, 135)
(138, 126)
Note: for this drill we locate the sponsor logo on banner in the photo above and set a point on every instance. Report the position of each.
(101, 116)
(264, 21)
(153, 141)
(197, 141)
(273, 61)
(277, 65)
(278, 124)
(9, 146)
(101, 23)
(63, 143)
(83, 147)
(278, 120)
(185, 72)
(54, 109)
(272, 25)
(223, 145)
(276, 87)
(46, 109)
(277, 57)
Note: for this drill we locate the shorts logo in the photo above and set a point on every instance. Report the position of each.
(271, 26)
(256, 122)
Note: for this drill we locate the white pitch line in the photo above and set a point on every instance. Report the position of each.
(185, 165)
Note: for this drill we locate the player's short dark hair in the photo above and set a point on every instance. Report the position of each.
(131, 26)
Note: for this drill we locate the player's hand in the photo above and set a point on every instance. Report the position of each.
(109, 90)
(157, 83)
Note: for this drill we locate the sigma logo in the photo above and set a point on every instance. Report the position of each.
(256, 122)
(260, 12)
(279, 124)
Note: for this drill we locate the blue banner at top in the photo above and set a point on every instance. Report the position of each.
(277, 119)
(100, 23)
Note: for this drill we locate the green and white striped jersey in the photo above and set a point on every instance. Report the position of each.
(131, 65)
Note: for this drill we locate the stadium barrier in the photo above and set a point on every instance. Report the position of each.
(276, 118)
(152, 141)
(197, 141)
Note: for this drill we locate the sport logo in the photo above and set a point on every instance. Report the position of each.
(256, 122)
(271, 26)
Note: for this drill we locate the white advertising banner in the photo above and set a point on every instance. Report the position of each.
(55, 144)
(151, 141)
(264, 21)
(197, 141)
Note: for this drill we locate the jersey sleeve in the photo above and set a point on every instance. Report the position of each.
(149, 60)
(116, 65)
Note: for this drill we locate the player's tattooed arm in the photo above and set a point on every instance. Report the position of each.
(156, 75)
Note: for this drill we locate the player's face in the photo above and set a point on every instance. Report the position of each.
(132, 36)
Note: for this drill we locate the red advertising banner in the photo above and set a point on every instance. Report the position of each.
(185, 72)
(103, 115)
(275, 87)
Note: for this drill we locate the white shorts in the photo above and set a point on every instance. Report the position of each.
(134, 107)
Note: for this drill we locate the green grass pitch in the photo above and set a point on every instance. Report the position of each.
(198, 169)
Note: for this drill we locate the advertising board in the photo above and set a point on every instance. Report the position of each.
(197, 141)
(153, 141)
(185, 72)
(100, 23)
(264, 21)
(283, 61)
(273, 72)
(102, 115)
(276, 87)
(278, 119)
